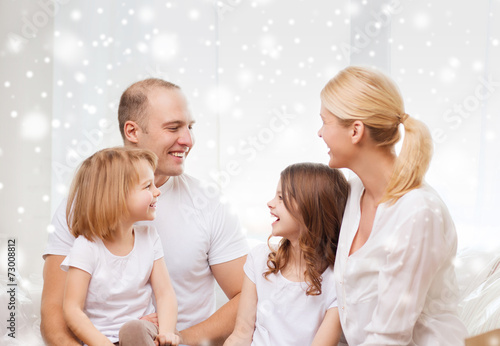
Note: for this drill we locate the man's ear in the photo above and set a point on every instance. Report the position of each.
(130, 130)
(357, 131)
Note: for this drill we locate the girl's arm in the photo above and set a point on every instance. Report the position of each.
(329, 331)
(245, 320)
(75, 293)
(166, 304)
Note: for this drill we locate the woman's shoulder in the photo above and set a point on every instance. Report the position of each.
(424, 197)
(423, 203)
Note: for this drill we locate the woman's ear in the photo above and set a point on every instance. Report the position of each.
(357, 131)
(130, 130)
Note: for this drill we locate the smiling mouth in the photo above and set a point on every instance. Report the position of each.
(276, 218)
(178, 154)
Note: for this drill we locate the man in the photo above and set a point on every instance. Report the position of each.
(201, 238)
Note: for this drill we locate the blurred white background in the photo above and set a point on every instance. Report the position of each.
(252, 71)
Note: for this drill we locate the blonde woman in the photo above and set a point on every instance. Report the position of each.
(394, 271)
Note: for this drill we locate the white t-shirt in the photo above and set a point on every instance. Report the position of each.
(285, 314)
(119, 289)
(400, 287)
(196, 230)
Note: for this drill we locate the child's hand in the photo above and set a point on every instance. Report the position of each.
(153, 318)
(169, 339)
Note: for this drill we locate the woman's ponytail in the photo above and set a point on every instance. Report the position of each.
(412, 162)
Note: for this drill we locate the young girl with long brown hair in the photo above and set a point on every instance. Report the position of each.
(288, 295)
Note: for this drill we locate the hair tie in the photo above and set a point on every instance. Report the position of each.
(402, 118)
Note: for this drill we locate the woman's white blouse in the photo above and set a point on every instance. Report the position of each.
(400, 287)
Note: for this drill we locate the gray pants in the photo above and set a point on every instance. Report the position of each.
(137, 332)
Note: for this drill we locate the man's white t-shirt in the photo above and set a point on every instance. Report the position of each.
(197, 231)
(285, 314)
(119, 289)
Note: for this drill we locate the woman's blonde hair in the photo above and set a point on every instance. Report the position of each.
(97, 199)
(315, 195)
(360, 93)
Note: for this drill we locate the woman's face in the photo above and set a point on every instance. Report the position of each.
(337, 139)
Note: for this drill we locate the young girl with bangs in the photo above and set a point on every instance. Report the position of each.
(288, 295)
(115, 266)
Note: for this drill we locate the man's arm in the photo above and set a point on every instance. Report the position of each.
(219, 326)
(53, 326)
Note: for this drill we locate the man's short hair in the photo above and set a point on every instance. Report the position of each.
(134, 102)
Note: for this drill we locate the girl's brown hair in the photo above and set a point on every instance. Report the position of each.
(316, 195)
(97, 199)
(360, 93)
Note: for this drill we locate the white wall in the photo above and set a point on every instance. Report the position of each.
(26, 64)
